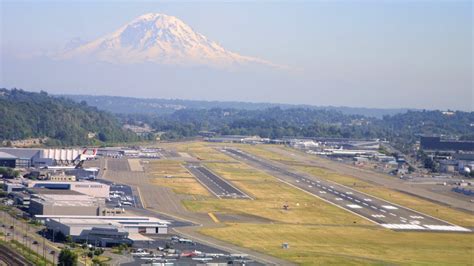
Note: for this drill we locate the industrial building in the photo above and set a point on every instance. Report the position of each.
(24, 158)
(436, 144)
(93, 189)
(44, 202)
(105, 230)
(18, 158)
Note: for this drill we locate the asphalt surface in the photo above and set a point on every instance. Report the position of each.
(218, 186)
(182, 254)
(190, 253)
(384, 213)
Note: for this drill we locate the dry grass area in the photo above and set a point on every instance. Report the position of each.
(202, 151)
(270, 196)
(347, 245)
(172, 174)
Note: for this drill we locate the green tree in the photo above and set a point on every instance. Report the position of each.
(67, 258)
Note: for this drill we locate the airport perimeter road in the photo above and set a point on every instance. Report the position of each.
(218, 186)
(384, 213)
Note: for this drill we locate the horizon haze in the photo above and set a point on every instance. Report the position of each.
(355, 54)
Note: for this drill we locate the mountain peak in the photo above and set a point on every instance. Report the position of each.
(162, 39)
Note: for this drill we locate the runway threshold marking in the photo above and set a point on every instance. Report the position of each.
(141, 199)
(213, 217)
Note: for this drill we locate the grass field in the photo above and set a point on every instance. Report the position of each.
(319, 233)
(348, 245)
(270, 196)
(172, 174)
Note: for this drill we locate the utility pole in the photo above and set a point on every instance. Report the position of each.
(44, 244)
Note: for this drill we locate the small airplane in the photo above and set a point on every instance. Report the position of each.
(202, 259)
(238, 256)
(140, 253)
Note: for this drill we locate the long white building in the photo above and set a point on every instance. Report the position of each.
(94, 189)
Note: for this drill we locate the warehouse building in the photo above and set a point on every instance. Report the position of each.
(105, 230)
(24, 157)
(436, 144)
(72, 203)
(93, 189)
(11, 187)
(18, 158)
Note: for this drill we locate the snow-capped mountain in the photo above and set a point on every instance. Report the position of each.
(162, 39)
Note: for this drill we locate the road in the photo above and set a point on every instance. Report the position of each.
(218, 186)
(382, 212)
(27, 235)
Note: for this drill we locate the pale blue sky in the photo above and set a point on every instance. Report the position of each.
(355, 53)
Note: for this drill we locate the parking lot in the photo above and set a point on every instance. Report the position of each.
(182, 251)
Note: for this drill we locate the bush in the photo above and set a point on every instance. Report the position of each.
(67, 258)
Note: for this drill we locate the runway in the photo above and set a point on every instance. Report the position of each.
(218, 186)
(382, 212)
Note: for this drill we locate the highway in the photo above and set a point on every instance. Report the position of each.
(218, 186)
(382, 212)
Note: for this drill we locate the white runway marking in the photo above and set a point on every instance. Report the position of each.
(354, 206)
(348, 193)
(322, 192)
(416, 217)
(378, 215)
(403, 226)
(367, 200)
(338, 199)
(389, 207)
(447, 228)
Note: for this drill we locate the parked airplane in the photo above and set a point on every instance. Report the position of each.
(84, 156)
(140, 254)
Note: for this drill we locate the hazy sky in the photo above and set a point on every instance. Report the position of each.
(352, 53)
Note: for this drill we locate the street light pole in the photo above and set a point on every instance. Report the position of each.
(44, 244)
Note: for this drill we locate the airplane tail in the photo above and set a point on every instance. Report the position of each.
(79, 164)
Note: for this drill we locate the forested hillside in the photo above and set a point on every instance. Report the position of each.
(402, 129)
(129, 105)
(65, 122)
